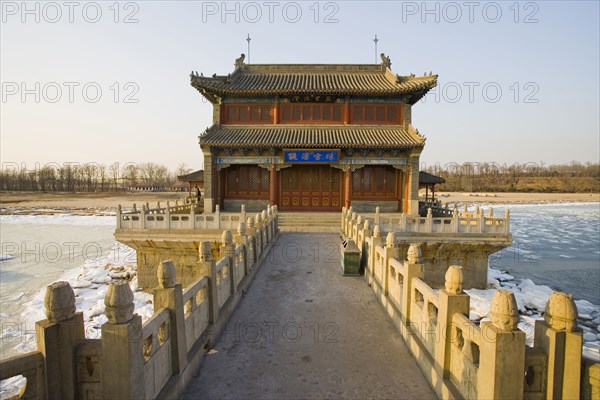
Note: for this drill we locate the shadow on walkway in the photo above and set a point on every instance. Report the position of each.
(303, 331)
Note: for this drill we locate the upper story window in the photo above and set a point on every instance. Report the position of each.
(311, 113)
(247, 114)
(376, 114)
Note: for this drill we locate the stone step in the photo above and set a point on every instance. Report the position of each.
(309, 222)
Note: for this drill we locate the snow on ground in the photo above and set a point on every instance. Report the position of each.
(90, 283)
(531, 301)
(59, 219)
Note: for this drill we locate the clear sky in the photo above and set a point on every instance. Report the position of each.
(109, 82)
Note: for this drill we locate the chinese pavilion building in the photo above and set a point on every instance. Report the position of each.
(312, 137)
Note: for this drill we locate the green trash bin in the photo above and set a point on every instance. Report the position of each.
(350, 259)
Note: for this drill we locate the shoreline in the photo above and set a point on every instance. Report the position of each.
(53, 203)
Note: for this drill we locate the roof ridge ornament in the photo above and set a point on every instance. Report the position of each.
(239, 61)
(385, 60)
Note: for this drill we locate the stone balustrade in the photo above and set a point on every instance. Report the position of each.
(135, 360)
(181, 216)
(465, 359)
(458, 223)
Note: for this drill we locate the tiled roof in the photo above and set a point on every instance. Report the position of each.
(192, 176)
(427, 179)
(312, 137)
(281, 79)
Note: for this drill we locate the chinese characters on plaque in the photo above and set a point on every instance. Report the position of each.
(311, 156)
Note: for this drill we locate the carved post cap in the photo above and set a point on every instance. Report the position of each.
(561, 312)
(250, 222)
(377, 210)
(491, 212)
(504, 312)
(429, 212)
(119, 208)
(217, 208)
(507, 213)
(264, 215)
(205, 251)
(353, 216)
(350, 210)
(226, 237)
(119, 302)
(258, 219)
(166, 274)
(367, 225)
(376, 231)
(390, 240)
(275, 209)
(241, 229)
(269, 211)
(59, 301)
(413, 255)
(359, 220)
(344, 210)
(454, 279)
(243, 208)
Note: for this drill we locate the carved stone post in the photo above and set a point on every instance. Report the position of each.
(259, 231)
(451, 300)
(208, 267)
(389, 251)
(228, 250)
(265, 227)
(122, 346)
(242, 238)
(344, 211)
(252, 247)
(169, 295)
(502, 352)
(413, 268)
(561, 339)
(56, 337)
(377, 240)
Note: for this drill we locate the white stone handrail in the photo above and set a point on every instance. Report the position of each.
(460, 222)
(157, 351)
(196, 310)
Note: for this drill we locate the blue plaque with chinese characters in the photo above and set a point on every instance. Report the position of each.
(311, 156)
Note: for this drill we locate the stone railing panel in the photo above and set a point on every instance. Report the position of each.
(196, 310)
(31, 366)
(157, 352)
(223, 281)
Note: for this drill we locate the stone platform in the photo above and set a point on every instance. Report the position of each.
(304, 331)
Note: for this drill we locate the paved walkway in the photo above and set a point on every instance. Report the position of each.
(303, 331)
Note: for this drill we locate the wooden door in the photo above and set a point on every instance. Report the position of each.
(311, 188)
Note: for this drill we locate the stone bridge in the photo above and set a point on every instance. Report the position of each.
(269, 315)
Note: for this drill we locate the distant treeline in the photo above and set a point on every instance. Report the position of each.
(531, 177)
(90, 177)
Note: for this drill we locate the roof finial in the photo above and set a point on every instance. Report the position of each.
(248, 39)
(239, 61)
(385, 60)
(376, 40)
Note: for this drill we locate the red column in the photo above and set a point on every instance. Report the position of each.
(273, 195)
(347, 188)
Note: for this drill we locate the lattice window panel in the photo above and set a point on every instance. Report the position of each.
(357, 181)
(265, 113)
(380, 114)
(295, 113)
(232, 113)
(286, 113)
(232, 185)
(243, 178)
(390, 181)
(379, 178)
(254, 114)
(327, 113)
(391, 114)
(316, 112)
(358, 113)
(306, 114)
(244, 114)
(369, 113)
(254, 181)
(337, 113)
(264, 179)
(367, 179)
